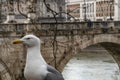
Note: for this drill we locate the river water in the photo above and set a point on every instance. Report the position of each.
(93, 63)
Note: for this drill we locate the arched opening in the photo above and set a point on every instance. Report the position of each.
(4, 71)
(92, 63)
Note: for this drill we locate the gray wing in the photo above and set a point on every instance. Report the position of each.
(53, 74)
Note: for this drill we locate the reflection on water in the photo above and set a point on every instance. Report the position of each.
(93, 63)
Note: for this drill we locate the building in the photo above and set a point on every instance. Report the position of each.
(42, 13)
(94, 10)
(81, 9)
(73, 10)
(105, 10)
(45, 14)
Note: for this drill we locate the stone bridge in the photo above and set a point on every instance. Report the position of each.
(61, 41)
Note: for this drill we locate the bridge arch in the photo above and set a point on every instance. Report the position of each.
(91, 64)
(5, 73)
(83, 42)
(105, 40)
(110, 42)
(100, 38)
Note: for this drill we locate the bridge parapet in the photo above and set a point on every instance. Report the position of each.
(61, 41)
(71, 28)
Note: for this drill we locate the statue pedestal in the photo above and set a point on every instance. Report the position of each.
(10, 18)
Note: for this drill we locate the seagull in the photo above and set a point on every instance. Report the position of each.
(36, 67)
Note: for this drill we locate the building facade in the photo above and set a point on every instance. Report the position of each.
(42, 13)
(45, 14)
(95, 10)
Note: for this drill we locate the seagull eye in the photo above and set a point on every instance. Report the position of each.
(28, 38)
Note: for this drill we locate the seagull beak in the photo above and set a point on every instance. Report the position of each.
(17, 41)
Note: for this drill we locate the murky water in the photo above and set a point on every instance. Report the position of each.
(92, 64)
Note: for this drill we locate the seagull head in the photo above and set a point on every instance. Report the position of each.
(28, 40)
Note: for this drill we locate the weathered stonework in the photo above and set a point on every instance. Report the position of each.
(68, 40)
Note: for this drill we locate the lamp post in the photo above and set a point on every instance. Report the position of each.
(111, 2)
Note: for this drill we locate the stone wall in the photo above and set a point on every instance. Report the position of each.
(13, 59)
(67, 39)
